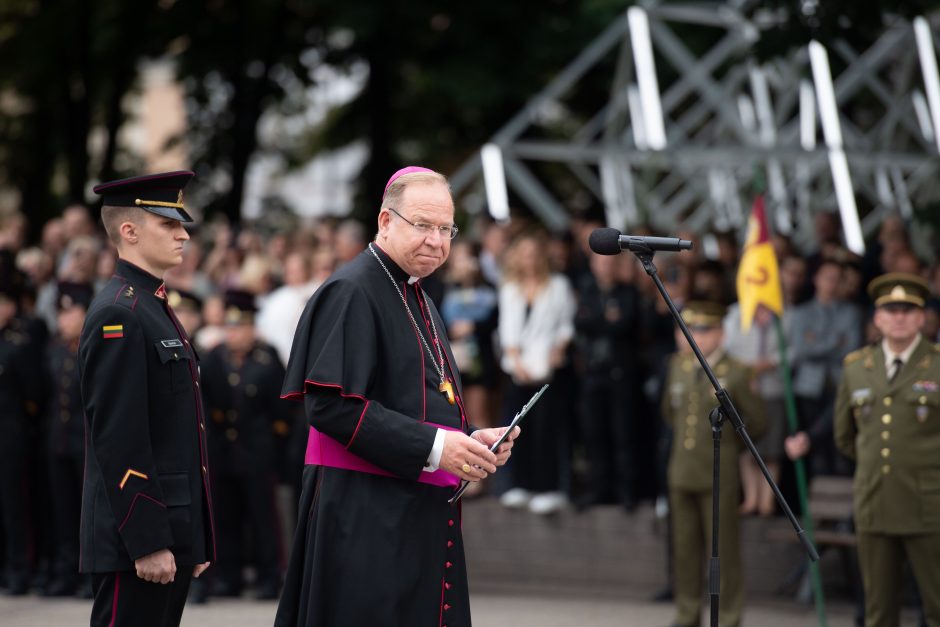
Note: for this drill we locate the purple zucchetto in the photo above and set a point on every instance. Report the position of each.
(411, 169)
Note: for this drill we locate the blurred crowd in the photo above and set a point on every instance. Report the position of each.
(523, 307)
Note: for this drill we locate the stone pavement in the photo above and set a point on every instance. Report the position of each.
(489, 610)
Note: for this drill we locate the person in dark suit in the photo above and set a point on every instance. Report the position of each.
(20, 390)
(243, 378)
(65, 434)
(146, 525)
(607, 321)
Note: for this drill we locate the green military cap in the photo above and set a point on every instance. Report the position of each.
(703, 313)
(898, 287)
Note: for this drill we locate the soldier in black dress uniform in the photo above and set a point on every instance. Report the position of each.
(20, 390)
(242, 381)
(65, 434)
(146, 525)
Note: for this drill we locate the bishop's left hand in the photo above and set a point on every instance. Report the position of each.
(490, 436)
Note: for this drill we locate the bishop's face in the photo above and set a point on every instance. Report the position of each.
(417, 252)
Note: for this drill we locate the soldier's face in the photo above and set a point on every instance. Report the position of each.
(418, 254)
(899, 324)
(239, 337)
(707, 338)
(191, 320)
(7, 310)
(70, 323)
(160, 241)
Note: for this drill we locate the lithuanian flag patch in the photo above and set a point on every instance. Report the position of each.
(112, 331)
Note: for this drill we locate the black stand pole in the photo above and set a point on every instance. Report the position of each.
(724, 411)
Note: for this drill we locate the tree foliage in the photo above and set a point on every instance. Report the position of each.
(65, 68)
(442, 77)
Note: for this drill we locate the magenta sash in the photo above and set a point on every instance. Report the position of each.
(323, 450)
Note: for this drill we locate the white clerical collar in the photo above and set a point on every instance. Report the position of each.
(412, 280)
(904, 356)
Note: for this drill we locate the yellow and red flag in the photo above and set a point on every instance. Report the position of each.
(758, 276)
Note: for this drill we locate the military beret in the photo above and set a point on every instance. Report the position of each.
(161, 194)
(898, 287)
(72, 294)
(239, 307)
(181, 299)
(703, 313)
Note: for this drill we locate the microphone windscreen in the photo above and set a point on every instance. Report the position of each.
(605, 241)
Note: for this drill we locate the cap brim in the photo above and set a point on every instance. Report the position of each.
(909, 299)
(169, 212)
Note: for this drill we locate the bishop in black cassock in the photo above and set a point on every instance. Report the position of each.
(377, 542)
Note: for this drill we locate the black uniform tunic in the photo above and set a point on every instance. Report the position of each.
(20, 390)
(243, 405)
(146, 471)
(66, 454)
(371, 549)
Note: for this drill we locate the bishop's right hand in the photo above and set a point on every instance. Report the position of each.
(461, 452)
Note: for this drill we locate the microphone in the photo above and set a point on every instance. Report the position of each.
(611, 242)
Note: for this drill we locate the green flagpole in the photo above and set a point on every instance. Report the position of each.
(794, 426)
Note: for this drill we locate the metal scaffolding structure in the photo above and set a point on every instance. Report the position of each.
(682, 136)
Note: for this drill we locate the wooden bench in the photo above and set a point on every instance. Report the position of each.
(830, 509)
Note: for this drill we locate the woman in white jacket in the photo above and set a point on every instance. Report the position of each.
(536, 325)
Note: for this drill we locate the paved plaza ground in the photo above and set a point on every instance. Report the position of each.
(489, 610)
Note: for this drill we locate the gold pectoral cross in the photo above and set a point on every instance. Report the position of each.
(447, 390)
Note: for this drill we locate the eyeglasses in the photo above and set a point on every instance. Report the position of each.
(424, 228)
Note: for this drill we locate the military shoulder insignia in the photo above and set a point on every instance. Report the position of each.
(112, 331)
(127, 296)
(854, 356)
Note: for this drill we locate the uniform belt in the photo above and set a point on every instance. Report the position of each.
(323, 450)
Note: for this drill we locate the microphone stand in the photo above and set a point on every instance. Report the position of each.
(724, 411)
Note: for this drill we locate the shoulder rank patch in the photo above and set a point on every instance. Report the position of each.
(112, 331)
(855, 356)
